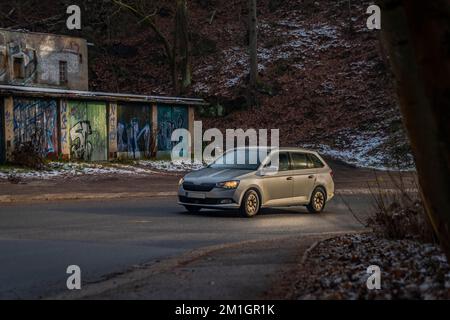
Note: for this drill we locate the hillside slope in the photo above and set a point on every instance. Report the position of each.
(324, 81)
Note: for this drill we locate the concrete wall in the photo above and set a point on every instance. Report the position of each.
(41, 54)
(90, 131)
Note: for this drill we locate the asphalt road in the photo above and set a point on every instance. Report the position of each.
(39, 241)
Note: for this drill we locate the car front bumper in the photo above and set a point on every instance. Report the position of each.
(216, 198)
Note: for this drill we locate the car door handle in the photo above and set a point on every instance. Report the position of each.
(311, 177)
(289, 179)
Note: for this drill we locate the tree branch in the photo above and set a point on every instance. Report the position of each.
(151, 23)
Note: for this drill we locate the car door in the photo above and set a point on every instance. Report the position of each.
(304, 175)
(278, 187)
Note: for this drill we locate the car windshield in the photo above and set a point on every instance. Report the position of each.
(241, 159)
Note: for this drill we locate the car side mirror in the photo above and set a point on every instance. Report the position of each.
(267, 171)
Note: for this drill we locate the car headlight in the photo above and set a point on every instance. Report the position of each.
(228, 184)
(181, 182)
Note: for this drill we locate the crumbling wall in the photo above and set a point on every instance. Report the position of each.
(89, 131)
(41, 55)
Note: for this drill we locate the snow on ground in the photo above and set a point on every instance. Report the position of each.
(359, 152)
(294, 40)
(171, 166)
(365, 150)
(71, 169)
(337, 269)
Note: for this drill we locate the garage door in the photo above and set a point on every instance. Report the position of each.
(87, 131)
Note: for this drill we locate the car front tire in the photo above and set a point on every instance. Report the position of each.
(318, 201)
(251, 203)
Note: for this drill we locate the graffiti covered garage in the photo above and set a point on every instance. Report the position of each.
(90, 126)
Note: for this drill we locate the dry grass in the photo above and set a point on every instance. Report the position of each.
(399, 212)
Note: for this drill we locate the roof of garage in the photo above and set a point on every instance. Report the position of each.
(90, 95)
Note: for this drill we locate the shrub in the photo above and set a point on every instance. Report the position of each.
(29, 153)
(399, 212)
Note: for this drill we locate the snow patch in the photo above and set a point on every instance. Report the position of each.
(62, 170)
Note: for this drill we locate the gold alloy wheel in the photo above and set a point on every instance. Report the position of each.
(252, 203)
(318, 201)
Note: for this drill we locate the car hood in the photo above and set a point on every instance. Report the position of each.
(208, 175)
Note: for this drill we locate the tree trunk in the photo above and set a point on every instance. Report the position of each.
(253, 48)
(182, 38)
(169, 51)
(416, 34)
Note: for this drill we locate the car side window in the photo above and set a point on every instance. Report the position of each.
(283, 162)
(317, 163)
(300, 161)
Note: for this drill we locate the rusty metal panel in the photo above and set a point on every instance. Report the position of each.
(35, 120)
(134, 130)
(170, 119)
(88, 131)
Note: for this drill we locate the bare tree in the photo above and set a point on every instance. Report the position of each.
(253, 49)
(178, 54)
(416, 34)
(182, 43)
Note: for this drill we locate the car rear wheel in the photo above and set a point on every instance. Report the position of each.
(193, 209)
(318, 201)
(251, 204)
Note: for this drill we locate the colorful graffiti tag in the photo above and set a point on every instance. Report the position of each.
(170, 119)
(36, 121)
(2, 133)
(87, 131)
(134, 131)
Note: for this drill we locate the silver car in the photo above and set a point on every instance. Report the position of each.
(274, 178)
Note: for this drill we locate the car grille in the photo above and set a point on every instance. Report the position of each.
(211, 201)
(204, 187)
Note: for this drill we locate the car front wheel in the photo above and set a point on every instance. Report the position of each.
(318, 201)
(251, 204)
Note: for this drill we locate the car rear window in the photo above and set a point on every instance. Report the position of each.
(317, 163)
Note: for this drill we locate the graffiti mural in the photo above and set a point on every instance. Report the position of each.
(134, 131)
(87, 131)
(170, 119)
(81, 147)
(36, 121)
(2, 133)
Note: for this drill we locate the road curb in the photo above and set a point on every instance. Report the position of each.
(82, 196)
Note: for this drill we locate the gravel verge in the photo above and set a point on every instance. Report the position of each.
(337, 269)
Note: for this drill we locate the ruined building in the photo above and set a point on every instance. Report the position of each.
(43, 60)
(44, 98)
